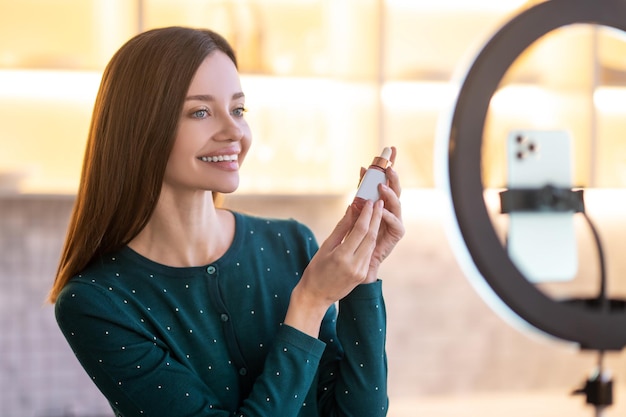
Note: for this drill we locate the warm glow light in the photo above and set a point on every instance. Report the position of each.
(281, 91)
(74, 86)
(417, 96)
(610, 99)
(520, 97)
(527, 102)
(458, 5)
(539, 100)
(605, 203)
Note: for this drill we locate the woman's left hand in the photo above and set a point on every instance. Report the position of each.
(391, 228)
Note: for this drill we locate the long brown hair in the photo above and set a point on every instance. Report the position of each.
(131, 135)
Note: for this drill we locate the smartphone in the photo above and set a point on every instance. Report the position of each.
(542, 244)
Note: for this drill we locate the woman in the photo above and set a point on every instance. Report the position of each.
(176, 307)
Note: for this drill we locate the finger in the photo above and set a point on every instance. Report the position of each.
(338, 234)
(391, 199)
(361, 173)
(362, 254)
(393, 181)
(359, 230)
(368, 242)
(394, 152)
(394, 224)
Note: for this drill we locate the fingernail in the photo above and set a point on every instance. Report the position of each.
(358, 203)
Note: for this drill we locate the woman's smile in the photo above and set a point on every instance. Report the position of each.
(228, 162)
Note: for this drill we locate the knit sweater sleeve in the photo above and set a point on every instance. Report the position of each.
(353, 370)
(138, 375)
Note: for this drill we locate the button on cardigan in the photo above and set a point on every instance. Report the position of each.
(209, 341)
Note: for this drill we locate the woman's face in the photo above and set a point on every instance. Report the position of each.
(213, 136)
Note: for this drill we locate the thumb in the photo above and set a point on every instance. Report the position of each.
(341, 229)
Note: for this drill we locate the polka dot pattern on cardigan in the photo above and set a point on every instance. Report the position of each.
(204, 338)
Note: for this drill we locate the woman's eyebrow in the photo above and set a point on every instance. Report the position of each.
(208, 97)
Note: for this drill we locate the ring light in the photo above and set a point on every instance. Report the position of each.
(589, 326)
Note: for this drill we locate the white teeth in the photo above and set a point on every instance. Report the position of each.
(219, 158)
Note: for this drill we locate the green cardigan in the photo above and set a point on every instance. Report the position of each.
(209, 341)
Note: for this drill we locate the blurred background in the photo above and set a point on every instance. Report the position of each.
(328, 84)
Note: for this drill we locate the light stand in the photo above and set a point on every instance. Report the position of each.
(598, 389)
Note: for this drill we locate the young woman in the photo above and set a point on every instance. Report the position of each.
(176, 307)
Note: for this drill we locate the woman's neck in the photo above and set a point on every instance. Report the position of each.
(185, 231)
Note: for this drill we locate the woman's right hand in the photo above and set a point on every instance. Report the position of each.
(341, 263)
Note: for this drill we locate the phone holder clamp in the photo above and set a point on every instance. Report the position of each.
(547, 198)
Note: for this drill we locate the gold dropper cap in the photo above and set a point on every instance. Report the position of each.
(382, 161)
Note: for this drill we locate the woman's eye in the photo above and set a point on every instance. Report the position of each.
(239, 111)
(200, 114)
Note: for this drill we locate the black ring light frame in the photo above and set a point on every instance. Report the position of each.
(590, 327)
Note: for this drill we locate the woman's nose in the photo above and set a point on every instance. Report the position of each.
(229, 129)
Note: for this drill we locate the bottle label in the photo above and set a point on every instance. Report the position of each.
(368, 189)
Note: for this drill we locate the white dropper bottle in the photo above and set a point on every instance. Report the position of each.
(375, 174)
